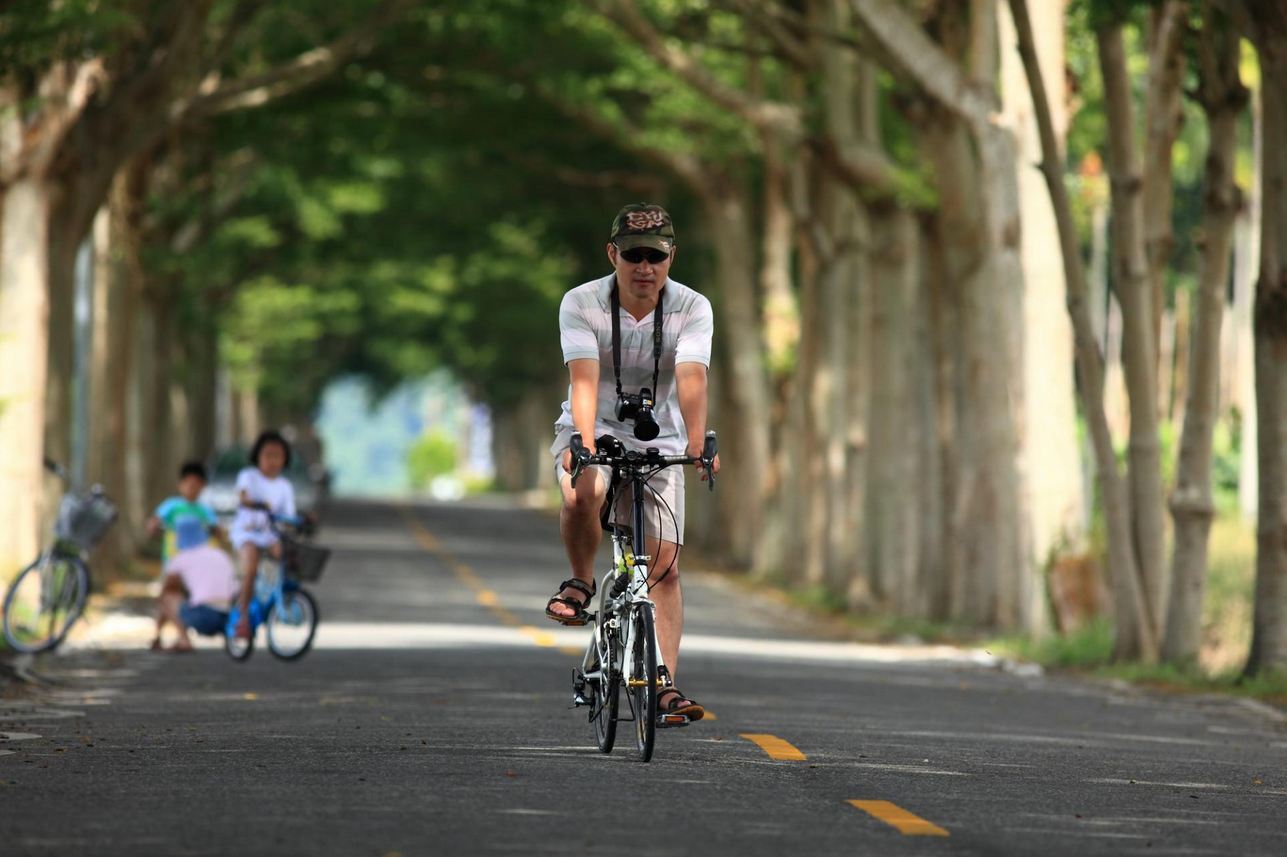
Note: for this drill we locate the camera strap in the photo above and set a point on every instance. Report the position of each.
(616, 338)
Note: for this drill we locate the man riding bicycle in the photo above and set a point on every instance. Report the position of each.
(652, 395)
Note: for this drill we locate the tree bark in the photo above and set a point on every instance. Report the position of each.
(727, 216)
(893, 516)
(1051, 452)
(1269, 635)
(1223, 98)
(1162, 118)
(24, 309)
(1134, 634)
(974, 161)
(1131, 283)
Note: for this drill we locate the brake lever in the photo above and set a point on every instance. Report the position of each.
(580, 456)
(710, 448)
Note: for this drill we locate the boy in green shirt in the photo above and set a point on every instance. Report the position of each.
(183, 506)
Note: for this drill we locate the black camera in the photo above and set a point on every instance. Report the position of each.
(638, 407)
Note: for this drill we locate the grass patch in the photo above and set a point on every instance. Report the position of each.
(1271, 687)
(1228, 604)
(1088, 647)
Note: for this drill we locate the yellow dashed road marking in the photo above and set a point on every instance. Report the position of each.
(894, 815)
(484, 596)
(776, 748)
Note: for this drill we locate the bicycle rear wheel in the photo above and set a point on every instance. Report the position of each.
(642, 685)
(43, 601)
(292, 624)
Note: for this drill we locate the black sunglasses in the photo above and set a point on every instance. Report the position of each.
(635, 255)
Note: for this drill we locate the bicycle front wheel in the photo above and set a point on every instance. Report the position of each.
(292, 623)
(642, 685)
(607, 690)
(44, 600)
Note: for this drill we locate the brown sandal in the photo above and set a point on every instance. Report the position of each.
(678, 704)
(580, 617)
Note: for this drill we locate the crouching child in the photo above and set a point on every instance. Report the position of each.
(200, 583)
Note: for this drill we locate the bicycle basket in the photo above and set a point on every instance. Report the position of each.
(303, 560)
(84, 519)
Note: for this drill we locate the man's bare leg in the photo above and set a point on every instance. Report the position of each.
(171, 601)
(581, 531)
(667, 594)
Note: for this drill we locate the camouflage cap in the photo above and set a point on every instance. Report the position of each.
(642, 224)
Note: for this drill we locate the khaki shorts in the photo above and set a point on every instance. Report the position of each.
(663, 505)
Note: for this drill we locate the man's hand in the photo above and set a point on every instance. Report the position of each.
(695, 451)
(567, 454)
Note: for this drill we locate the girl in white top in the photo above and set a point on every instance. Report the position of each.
(262, 489)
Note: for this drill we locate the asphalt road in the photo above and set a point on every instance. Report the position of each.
(432, 718)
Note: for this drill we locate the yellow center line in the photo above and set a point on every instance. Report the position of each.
(709, 715)
(484, 596)
(908, 824)
(776, 748)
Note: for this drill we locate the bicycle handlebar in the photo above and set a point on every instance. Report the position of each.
(651, 457)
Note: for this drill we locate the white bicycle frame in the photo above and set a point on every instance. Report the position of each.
(618, 609)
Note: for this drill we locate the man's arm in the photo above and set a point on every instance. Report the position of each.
(690, 386)
(585, 402)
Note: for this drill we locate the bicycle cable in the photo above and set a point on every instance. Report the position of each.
(661, 503)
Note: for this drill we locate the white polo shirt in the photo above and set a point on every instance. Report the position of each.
(585, 332)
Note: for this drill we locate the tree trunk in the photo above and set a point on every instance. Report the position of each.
(24, 222)
(120, 308)
(745, 432)
(520, 444)
(1130, 275)
(160, 463)
(61, 247)
(944, 583)
(203, 358)
(1051, 453)
(1269, 636)
(1134, 633)
(1162, 118)
(1247, 263)
(893, 517)
(1223, 98)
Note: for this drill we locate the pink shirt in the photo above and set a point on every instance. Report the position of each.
(207, 573)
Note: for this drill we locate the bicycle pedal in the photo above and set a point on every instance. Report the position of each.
(672, 721)
(578, 690)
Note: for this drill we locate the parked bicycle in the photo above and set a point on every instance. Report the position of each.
(623, 651)
(48, 596)
(287, 610)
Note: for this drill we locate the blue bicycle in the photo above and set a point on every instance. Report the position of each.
(287, 610)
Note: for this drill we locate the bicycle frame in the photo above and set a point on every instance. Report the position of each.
(628, 578)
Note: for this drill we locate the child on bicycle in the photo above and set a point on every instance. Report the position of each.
(262, 490)
(182, 507)
(200, 583)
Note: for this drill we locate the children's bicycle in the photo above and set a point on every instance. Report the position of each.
(48, 596)
(287, 611)
(623, 651)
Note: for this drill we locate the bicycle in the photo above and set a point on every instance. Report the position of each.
(622, 650)
(49, 595)
(287, 610)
